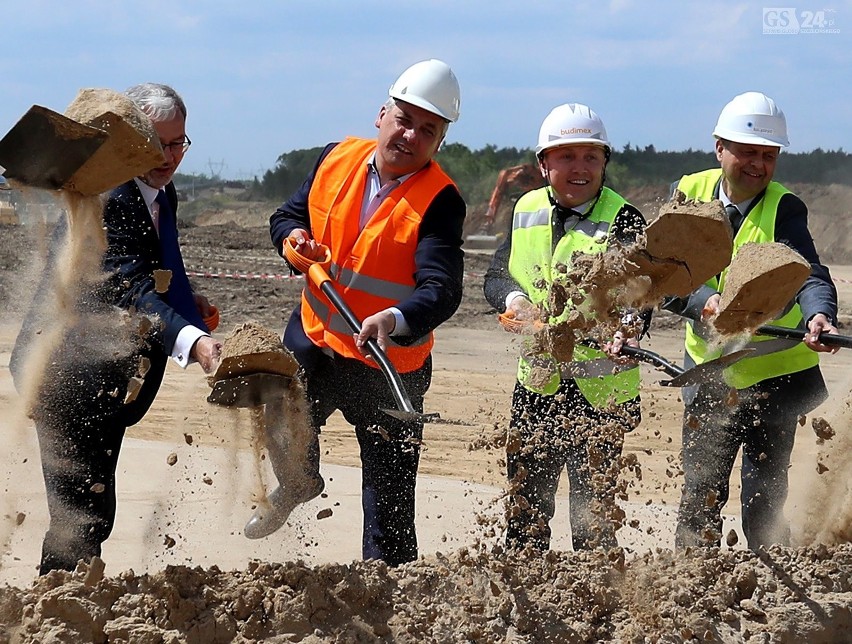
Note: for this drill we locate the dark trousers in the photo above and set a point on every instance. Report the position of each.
(556, 433)
(390, 449)
(79, 458)
(763, 422)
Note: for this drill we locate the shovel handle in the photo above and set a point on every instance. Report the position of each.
(316, 272)
(403, 402)
(651, 358)
(830, 339)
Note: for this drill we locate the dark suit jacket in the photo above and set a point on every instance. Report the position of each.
(91, 366)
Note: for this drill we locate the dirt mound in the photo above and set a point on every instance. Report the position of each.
(779, 595)
(829, 219)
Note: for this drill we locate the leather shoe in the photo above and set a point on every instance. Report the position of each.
(268, 517)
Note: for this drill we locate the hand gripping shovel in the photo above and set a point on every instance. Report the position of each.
(316, 270)
(829, 339)
(680, 377)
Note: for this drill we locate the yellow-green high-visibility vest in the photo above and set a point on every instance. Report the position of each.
(772, 357)
(532, 263)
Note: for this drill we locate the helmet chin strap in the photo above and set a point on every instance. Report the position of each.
(564, 211)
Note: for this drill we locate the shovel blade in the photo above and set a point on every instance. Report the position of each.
(253, 390)
(44, 149)
(413, 416)
(712, 369)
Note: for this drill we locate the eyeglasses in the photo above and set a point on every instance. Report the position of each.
(178, 147)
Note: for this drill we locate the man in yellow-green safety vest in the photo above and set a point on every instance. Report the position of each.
(573, 417)
(782, 380)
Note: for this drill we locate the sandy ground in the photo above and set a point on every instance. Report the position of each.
(192, 513)
(204, 499)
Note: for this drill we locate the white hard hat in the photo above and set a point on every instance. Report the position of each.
(571, 123)
(752, 118)
(429, 84)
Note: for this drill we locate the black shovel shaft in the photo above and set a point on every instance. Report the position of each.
(799, 334)
(651, 358)
(390, 372)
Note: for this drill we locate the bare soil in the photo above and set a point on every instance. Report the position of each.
(477, 592)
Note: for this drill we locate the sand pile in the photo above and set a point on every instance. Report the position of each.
(131, 148)
(258, 372)
(779, 595)
(74, 328)
(688, 243)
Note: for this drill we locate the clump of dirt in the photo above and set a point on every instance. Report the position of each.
(281, 429)
(761, 281)
(162, 279)
(248, 338)
(252, 348)
(779, 594)
(688, 243)
(131, 148)
(684, 246)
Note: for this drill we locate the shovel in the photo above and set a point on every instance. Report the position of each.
(685, 377)
(830, 339)
(252, 380)
(44, 149)
(316, 272)
(680, 377)
(253, 390)
(51, 151)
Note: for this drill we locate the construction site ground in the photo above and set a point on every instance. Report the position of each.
(192, 513)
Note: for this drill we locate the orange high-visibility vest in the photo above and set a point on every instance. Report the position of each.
(373, 268)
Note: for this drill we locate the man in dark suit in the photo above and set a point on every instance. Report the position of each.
(105, 368)
(392, 220)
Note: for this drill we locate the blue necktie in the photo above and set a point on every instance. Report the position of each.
(180, 292)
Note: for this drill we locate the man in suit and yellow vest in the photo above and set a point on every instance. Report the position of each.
(573, 419)
(392, 220)
(782, 380)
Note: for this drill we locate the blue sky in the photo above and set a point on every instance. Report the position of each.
(263, 77)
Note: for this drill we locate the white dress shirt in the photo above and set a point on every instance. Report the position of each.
(188, 335)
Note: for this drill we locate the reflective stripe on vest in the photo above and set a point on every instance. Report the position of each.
(595, 230)
(772, 358)
(531, 263)
(368, 281)
(336, 322)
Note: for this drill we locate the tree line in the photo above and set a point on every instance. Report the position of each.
(475, 171)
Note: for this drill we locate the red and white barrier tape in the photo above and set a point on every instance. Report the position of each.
(240, 275)
(228, 274)
(221, 273)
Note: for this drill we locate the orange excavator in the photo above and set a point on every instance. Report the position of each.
(511, 183)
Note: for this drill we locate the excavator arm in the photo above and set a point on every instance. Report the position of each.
(514, 181)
